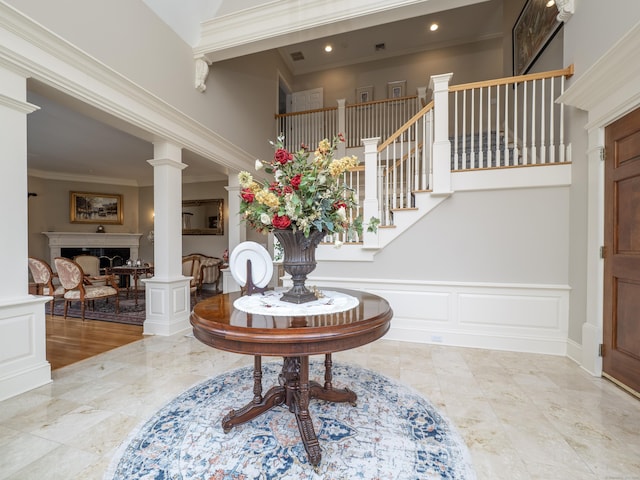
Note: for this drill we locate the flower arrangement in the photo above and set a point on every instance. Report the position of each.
(307, 193)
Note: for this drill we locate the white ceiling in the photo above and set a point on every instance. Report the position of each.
(67, 141)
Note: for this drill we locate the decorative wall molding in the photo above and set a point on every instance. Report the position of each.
(29, 47)
(566, 9)
(23, 363)
(520, 318)
(202, 72)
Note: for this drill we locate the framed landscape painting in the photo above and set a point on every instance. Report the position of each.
(103, 208)
(534, 29)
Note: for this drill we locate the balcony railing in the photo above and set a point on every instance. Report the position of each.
(504, 123)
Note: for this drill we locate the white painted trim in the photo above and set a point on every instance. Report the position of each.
(574, 351)
(23, 363)
(516, 317)
(608, 90)
(59, 64)
(281, 22)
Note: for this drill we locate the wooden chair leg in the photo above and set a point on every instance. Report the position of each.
(82, 308)
(66, 306)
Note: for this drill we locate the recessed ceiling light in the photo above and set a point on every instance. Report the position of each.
(551, 3)
(328, 48)
(433, 27)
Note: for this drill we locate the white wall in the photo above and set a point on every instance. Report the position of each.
(471, 62)
(49, 211)
(507, 236)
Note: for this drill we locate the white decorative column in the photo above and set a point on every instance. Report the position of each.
(370, 208)
(439, 84)
(168, 302)
(237, 229)
(23, 363)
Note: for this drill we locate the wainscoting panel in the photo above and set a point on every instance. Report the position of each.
(523, 318)
(23, 363)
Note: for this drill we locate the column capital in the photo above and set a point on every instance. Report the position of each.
(18, 105)
(159, 162)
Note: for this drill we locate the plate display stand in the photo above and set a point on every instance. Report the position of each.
(250, 288)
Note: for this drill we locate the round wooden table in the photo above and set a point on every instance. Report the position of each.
(218, 324)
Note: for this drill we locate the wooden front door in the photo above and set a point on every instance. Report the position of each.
(621, 356)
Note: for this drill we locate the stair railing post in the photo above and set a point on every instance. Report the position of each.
(371, 204)
(342, 125)
(439, 84)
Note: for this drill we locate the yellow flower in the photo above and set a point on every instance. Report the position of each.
(267, 198)
(324, 147)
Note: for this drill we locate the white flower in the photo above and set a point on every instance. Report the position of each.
(265, 218)
(259, 164)
(337, 244)
(342, 213)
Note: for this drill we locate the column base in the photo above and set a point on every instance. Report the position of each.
(23, 347)
(168, 306)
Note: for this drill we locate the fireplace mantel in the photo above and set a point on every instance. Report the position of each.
(59, 240)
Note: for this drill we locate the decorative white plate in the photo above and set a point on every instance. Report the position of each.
(261, 264)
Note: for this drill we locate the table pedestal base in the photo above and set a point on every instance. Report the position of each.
(294, 390)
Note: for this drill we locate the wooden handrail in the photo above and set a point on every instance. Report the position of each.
(305, 112)
(406, 126)
(385, 100)
(566, 72)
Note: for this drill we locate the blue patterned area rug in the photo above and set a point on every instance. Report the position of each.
(392, 433)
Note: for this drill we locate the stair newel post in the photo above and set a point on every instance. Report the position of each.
(371, 203)
(439, 84)
(342, 127)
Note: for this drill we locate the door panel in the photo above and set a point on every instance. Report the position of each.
(621, 322)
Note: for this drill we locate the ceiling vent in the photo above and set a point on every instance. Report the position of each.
(380, 46)
(297, 56)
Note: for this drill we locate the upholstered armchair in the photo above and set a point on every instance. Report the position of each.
(90, 265)
(208, 272)
(191, 268)
(72, 278)
(43, 275)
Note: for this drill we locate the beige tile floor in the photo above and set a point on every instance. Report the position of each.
(523, 416)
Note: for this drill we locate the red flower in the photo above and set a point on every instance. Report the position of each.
(337, 205)
(287, 189)
(281, 223)
(295, 181)
(282, 156)
(247, 195)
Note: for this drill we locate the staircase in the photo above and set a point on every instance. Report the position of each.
(482, 135)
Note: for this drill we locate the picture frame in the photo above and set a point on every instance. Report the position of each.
(102, 208)
(535, 27)
(364, 94)
(396, 89)
(203, 217)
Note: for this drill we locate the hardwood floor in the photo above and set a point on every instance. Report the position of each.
(72, 340)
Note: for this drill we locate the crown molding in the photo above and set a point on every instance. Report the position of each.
(281, 22)
(609, 88)
(57, 63)
(70, 177)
